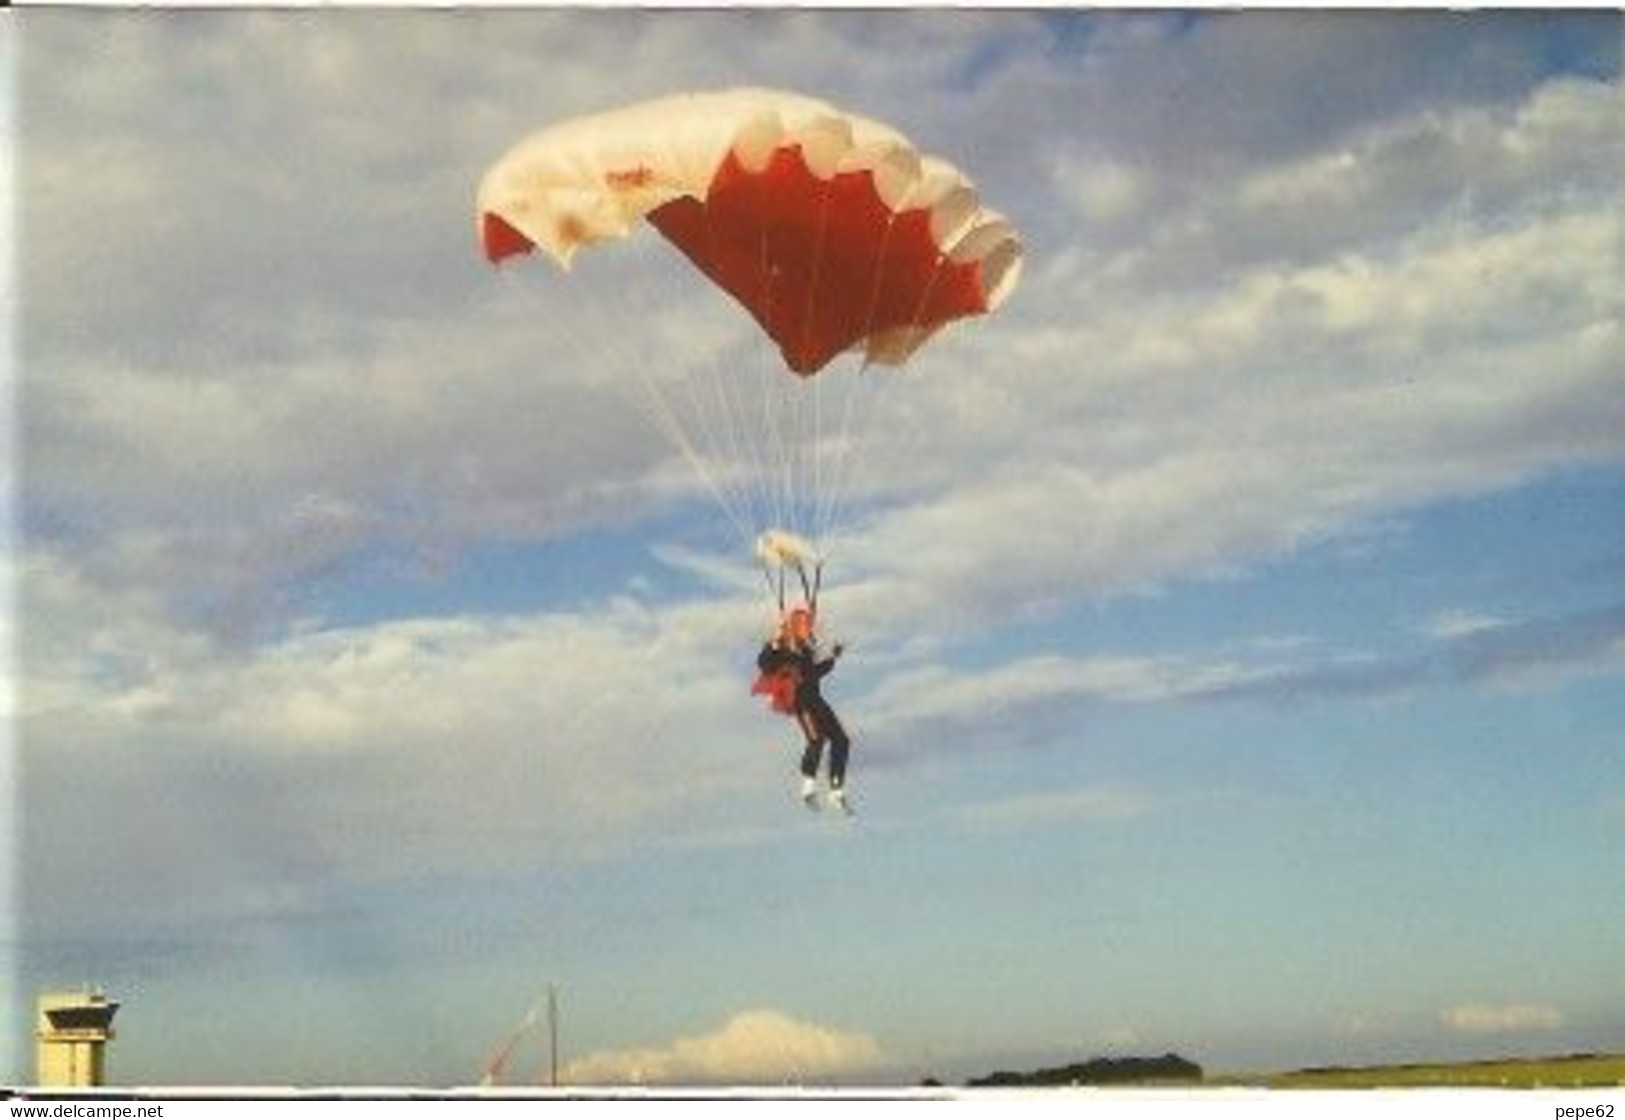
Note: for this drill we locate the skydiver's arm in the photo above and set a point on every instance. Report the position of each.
(821, 669)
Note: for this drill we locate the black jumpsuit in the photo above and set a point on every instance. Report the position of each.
(818, 720)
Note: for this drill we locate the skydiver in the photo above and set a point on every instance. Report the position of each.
(792, 660)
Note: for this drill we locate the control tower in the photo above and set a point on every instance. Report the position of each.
(73, 1032)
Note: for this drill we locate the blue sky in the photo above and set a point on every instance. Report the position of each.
(1235, 617)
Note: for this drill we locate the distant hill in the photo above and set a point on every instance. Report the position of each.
(1098, 1071)
(1566, 1071)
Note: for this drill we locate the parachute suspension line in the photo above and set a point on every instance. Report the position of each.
(814, 453)
(764, 426)
(658, 407)
(852, 440)
(943, 258)
(926, 292)
(746, 442)
(713, 423)
(774, 589)
(666, 420)
(743, 445)
(727, 379)
(827, 452)
(800, 398)
(775, 435)
(700, 415)
(791, 419)
(821, 481)
(615, 351)
(777, 407)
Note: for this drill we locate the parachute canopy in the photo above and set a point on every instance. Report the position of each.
(831, 229)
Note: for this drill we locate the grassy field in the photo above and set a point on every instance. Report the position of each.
(1576, 1071)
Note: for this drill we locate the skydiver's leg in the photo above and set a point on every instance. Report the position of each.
(809, 759)
(810, 756)
(814, 750)
(839, 744)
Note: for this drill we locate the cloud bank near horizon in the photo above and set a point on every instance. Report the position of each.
(754, 1047)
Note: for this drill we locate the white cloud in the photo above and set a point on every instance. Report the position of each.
(1460, 624)
(1103, 191)
(758, 1047)
(1007, 690)
(1192, 435)
(1434, 166)
(1501, 1018)
(1090, 805)
(483, 743)
(352, 756)
(1534, 652)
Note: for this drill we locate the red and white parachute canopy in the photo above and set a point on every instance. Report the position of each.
(831, 229)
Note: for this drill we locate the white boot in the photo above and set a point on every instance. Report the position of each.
(809, 793)
(837, 800)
